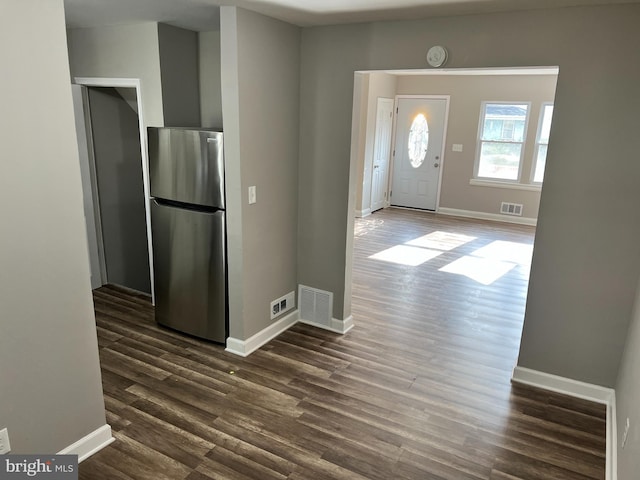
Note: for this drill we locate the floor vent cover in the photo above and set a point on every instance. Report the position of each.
(511, 209)
(316, 306)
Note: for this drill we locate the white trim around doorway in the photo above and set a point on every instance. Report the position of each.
(133, 83)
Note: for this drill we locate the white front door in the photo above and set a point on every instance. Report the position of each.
(418, 152)
(381, 153)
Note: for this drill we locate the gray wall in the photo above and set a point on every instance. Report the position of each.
(210, 86)
(260, 101)
(330, 55)
(116, 144)
(179, 73)
(50, 375)
(584, 267)
(628, 399)
(122, 51)
(467, 94)
(163, 57)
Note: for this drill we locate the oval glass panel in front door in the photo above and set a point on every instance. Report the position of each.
(418, 140)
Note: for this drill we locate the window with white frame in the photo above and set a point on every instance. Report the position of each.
(542, 142)
(501, 137)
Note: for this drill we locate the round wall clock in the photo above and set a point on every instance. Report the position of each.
(437, 56)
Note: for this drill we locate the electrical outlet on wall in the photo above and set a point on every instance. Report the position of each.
(5, 446)
(283, 304)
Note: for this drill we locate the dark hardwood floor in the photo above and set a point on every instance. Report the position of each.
(419, 389)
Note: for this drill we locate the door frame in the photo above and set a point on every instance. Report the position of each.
(447, 99)
(93, 214)
(126, 83)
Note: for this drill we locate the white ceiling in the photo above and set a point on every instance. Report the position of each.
(204, 15)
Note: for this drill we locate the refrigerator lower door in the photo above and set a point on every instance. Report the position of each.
(189, 261)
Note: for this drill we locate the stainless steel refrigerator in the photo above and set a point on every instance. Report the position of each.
(186, 169)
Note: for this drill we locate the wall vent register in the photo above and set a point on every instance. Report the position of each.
(316, 306)
(511, 209)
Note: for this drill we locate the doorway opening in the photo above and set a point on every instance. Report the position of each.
(456, 182)
(112, 146)
(404, 247)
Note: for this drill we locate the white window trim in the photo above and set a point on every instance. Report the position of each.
(479, 140)
(536, 147)
(535, 187)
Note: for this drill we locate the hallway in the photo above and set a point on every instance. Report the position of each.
(419, 389)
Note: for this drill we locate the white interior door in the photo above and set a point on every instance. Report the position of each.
(381, 153)
(420, 130)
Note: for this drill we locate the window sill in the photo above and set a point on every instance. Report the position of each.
(511, 186)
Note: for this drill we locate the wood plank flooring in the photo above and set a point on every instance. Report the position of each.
(419, 389)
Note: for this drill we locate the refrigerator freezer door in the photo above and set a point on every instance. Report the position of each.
(190, 270)
(187, 166)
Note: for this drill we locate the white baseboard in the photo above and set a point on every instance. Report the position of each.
(363, 213)
(496, 217)
(251, 344)
(566, 386)
(336, 326)
(611, 469)
(90, 444)
(244, 348)
(342, 326)
(585, 391)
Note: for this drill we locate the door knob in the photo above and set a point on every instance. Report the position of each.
(436, 165)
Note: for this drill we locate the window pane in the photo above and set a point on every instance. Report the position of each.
(541, 160)
(499, 160)
(418, 140)
(545, 128)
(504, 122)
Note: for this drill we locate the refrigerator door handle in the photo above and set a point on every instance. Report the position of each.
(215, 150)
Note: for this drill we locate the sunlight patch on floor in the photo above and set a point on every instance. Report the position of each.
(484, 265)
(406, 255)
(441, 241)
(482, 270)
